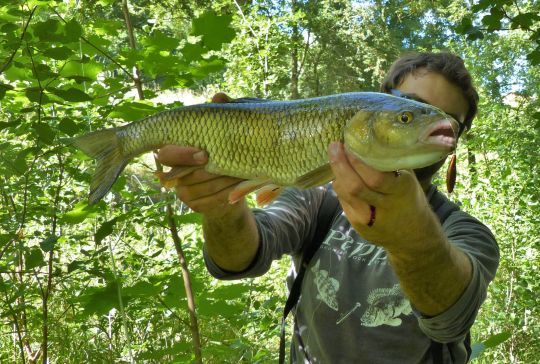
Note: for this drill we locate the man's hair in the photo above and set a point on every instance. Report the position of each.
(446, 64)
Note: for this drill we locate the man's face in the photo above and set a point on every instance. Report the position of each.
(434, 89)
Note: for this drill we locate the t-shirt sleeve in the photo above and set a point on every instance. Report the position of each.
(283, 228)
(477, 241)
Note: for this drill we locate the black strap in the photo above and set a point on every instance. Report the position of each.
(325, 217)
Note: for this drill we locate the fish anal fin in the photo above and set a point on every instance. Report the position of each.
(245, 187)
(268, 193)
(316, 177)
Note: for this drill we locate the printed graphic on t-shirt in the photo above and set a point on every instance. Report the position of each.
(385, 305)
(354, 249)
(326, 285)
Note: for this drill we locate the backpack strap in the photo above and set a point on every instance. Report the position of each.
(325, 218)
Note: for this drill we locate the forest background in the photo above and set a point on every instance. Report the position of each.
(124, 281)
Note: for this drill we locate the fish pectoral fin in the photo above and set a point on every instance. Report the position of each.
(317, 177)
(243, 188)
(268, 193)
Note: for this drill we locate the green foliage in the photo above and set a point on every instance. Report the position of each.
(66, 69)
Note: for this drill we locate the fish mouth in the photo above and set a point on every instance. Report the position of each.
(442, 133)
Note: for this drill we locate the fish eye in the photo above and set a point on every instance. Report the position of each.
(405, 117)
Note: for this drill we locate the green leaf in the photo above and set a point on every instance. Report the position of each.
(131, 111)
(58, 53)
(3, 89)
(81, 212)
(68, 126)
(497, 339)
(231, 291)
(76, 264)
(493, 21)
(101, 300)
(72, 31)
(534, 57)
(192, 52)
(34, 95)
(47, 245)
(34, 258)
(47, 30)
(158, 40)
(105, 230)
(81, 68)
(208, 66)
(45, 132)
(141, 289)
(191, 218)
(214, 29)
(525, 20)
(72, 94)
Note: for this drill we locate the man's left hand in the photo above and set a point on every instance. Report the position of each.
(386, 208)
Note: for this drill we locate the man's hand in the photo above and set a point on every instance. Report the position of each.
(387, 208)
(391, 210)
(203, 192)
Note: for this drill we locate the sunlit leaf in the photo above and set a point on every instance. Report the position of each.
(214, 29)
(131, 111)
(80, 212)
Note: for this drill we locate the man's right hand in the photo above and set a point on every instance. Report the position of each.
(202, 191)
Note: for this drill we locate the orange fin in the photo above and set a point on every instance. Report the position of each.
(164, 182)
(317, 177)
(268, 193)
(243, 188)
(451, 174)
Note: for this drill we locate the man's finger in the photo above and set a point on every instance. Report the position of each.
(381, 182)
(221, 97)
(349, 184)
(174, 155)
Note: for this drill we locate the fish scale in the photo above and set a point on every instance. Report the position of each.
(281, 142)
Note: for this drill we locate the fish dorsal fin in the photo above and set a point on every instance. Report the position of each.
(316, 177)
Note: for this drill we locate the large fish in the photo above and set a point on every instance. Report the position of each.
(281, 143)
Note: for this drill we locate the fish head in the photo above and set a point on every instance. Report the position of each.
(401, 134)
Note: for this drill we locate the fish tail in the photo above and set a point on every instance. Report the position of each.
(104, 146)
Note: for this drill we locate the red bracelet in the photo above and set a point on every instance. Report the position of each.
(372, 216)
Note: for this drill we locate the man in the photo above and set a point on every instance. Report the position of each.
(388, 281)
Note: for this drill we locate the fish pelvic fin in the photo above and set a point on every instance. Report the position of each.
(105, 148)
(316, 177)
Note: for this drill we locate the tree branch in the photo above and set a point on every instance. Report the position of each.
(12, 55)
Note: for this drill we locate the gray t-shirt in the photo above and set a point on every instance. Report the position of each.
(352, 309)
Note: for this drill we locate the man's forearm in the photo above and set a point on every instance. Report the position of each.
(232, 240)
(435, 277)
